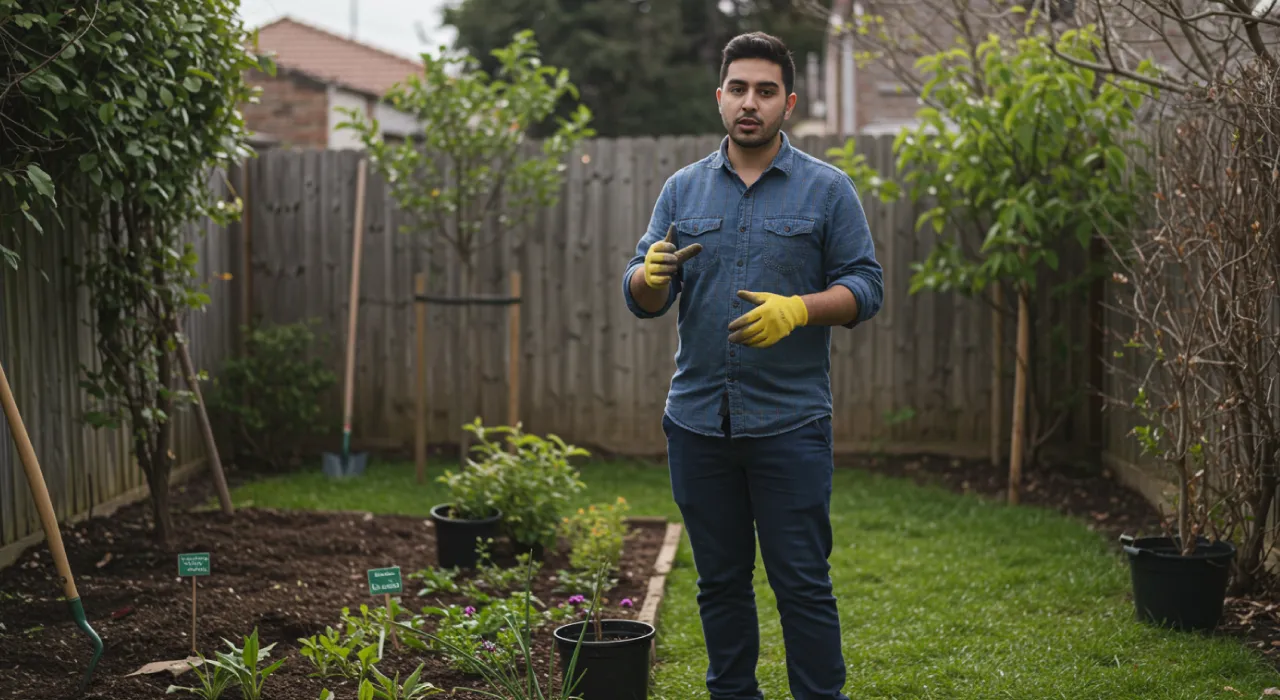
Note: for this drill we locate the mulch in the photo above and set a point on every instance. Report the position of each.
(1096, 499)
(289, 574)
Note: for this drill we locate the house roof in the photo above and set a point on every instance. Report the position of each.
(330, 57)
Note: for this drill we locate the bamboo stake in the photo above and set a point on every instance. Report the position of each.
(420, 429)
(1019, 396)
(206, 428)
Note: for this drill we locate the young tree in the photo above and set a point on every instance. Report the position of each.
(141, 100)
(472, 176)
(1020, 156)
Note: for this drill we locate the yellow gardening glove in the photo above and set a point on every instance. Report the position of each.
(771, 321)
(662, 259)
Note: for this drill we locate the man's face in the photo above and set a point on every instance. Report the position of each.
(753, 101)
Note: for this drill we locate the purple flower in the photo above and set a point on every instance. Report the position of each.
(575, 600)
(488, 646)
(468, 611)
(626, 603)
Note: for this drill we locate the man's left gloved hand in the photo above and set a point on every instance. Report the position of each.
(772, 320)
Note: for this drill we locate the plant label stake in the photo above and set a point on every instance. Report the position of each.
(193, 565)
(385, 582)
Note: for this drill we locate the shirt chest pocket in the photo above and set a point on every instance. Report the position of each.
(790, 244)
(704, 231)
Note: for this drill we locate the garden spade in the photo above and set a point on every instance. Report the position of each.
(347, 464)
(40, 492)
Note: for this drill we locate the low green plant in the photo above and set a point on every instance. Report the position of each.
(391, 688)
(212, 684)
(242, 663)
(272, 396)
(436, 580)
(498, 578)
(596, 535)
(503, 671)
(335, 654)
(526, 476)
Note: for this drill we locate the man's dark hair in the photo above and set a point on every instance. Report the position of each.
(760, 45)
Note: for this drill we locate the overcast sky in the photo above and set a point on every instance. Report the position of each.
(387, 24)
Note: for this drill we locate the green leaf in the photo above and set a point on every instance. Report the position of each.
(88, 162)
(192, 83)
(33, 221)
(107, 112)
(41, 181)
(166, 97)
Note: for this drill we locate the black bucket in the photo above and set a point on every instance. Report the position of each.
(456, 538)
(614, 669)
(1177, 592)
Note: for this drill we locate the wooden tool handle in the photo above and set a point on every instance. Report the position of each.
(39, 491)
(354, 297)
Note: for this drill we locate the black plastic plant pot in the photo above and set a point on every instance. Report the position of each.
(615, 668)
(1179, 592)
(456, 537)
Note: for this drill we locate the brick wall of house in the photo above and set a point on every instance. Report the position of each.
(291, 108)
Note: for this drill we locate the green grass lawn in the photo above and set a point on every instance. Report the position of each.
(941, 595)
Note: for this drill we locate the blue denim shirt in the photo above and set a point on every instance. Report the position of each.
(799, 229)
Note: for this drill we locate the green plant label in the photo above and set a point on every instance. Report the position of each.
(195, 564)
(385, 581)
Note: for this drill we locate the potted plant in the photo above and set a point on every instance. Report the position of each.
(613, 655)
(1193, 289)
(530, 481)
(469, 517)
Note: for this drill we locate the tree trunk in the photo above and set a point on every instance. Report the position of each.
(1019, 396)
(1249, 562)
(158, 482)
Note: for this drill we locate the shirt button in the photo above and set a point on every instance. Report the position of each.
(739, 265)
(733, 353)
(742, 228)
(735, 304)
(786, 228)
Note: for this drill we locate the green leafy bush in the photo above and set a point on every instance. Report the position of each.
(273, 395)
(528, 477)
(596, 535)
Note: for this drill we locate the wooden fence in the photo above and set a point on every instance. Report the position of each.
(46, 334)
(918, 377)
(588, 370)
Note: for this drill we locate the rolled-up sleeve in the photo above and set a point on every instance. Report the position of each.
(663, 213)
(849, 252)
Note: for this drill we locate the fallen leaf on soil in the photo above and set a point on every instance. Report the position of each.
(105, 560)
(1271, 691)
(176, 667)
(1232, 690)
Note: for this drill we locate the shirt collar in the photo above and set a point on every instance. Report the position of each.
(781, 161)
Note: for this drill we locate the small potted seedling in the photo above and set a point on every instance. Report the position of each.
(613, 660)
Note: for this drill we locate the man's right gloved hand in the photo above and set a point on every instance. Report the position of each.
(662, 259)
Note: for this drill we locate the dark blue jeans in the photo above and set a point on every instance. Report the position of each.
(729, 490)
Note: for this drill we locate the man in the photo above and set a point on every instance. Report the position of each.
(766, 248)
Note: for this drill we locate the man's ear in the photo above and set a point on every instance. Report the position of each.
(719, 105)
(791, 105)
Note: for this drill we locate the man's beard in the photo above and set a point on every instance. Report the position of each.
(762, 136)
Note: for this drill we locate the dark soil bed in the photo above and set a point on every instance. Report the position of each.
(1105, 506)
(287, 573)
